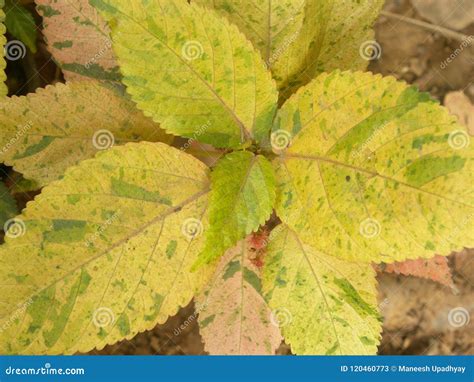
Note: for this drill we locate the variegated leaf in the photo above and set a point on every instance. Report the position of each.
(105, 252)
(233, 316)
(46, 132)
(79, 39)
(191, 71)
(324, 305)
(371, 170)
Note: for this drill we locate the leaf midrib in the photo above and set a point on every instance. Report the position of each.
(286, 156)
(318, 283)
(244, 132)
(118, 243)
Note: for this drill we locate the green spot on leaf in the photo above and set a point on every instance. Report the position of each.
(353, 298)
(171, 248)
(232, 268)
(129, 190)
(36, 148)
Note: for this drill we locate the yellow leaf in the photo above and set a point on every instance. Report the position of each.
(271, 25)
(323, 305)
(374, 170)
(191, 71)
(46, 132)
(105, 252)
(336, 34)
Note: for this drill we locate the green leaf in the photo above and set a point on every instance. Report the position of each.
(271, 25)
(21, 24)
(233, 316)
(242, 199)
(104, 253)
(8, 207)
(81, 119)
(199, 77)
(324, 305)
(78, 39)
(375, 171)
(21, 185)
(3, 41)
(332, 36)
